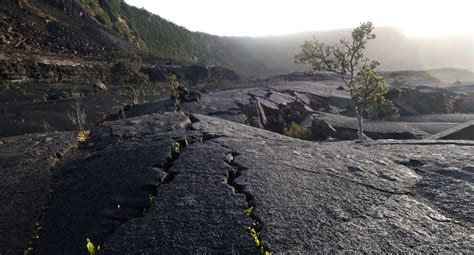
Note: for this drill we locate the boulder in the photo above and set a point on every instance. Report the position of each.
(196, 73)
(186, 95)
(100, 86)
(222, 74)
(420, 100)
(321, 130)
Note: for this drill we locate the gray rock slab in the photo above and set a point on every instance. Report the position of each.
(26, 166)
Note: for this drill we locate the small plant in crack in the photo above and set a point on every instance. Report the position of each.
(249, 211)
(91, 248)
(78, 119)
(151, 199)
(256, 226)
(83, 135)
(253, 231)
(175, 148)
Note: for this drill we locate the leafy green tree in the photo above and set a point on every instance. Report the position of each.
(346, 58)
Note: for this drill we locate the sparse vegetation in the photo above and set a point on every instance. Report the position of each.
(297, 131)
(77, 116)
(6, 86)
(135, 95)
(127, 69)
(159, 89)
(127, 72)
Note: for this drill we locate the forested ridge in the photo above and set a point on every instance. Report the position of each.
(271, 55)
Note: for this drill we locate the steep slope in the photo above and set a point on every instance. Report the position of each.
(96, 28)
(60, 28)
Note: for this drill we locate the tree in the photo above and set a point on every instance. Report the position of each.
(346, 58)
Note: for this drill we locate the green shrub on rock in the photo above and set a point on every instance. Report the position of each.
(297, 131)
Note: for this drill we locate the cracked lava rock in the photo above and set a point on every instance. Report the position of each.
(131, 191)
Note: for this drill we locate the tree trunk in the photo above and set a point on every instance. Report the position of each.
(361, 124)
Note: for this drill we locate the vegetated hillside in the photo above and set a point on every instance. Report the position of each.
(160, 37)
(265, 56)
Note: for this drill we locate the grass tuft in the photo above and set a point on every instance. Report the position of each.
(83, 135)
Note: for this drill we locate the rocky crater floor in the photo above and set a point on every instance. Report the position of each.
(176, 183)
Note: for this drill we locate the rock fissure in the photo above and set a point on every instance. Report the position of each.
(255, 228)
(39, 221)
(136, 203)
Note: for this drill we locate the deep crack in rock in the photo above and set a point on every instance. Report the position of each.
(257, 225)
(126, 207)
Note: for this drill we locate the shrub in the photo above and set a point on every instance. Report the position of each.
(297, 131)
(135, 94)
(77, 116)
(174, 89)
(78, 119)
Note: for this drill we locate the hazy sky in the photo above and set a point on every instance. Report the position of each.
(274, 17)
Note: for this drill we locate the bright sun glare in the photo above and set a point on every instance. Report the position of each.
(274, 17)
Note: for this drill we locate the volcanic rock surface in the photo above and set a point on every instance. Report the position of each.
(215, 177)
(129, 189)
(25, 182)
